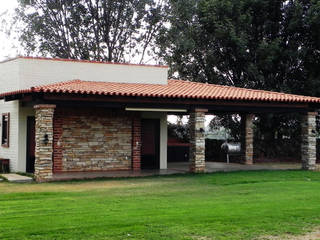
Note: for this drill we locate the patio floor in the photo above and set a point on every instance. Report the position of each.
(176, 168)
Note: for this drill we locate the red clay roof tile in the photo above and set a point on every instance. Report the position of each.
(174, 89)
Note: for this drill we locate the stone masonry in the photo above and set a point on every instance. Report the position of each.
(44, 142)
(92, 140)
(197, 140)
(136, 142)
(308, 141)
(247, 137)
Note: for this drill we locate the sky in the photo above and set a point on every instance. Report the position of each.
(6, 44)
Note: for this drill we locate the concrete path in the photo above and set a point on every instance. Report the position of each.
(175, 168)
(225, 167)
(13, 177)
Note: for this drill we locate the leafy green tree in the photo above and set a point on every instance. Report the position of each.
(111, 30)
(261, 44)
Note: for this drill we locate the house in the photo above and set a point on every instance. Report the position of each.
(61, 116)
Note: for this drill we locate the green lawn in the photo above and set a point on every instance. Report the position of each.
(239, 205)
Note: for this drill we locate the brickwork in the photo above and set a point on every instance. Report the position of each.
(197, 140)
(136, 143)
(44, 142)
(92, 140)
(247, 138)
(308, 141)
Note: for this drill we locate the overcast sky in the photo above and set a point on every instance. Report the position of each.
(6, 45)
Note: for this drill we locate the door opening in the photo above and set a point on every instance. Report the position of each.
(31, 144)
(150, 144)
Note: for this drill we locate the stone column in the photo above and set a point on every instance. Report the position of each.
(44, 142)
(197, 140)
(308, 141)
(136, 143)
(247, 138)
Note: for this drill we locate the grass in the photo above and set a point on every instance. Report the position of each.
(238, 205)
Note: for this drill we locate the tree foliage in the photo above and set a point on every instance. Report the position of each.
(262, 44)
(111, 30)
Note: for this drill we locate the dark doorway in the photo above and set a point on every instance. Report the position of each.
(150, 148)
(31, 144)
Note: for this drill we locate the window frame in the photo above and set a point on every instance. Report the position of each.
(5, 116)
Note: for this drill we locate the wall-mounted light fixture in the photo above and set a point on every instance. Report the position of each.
(46, 139)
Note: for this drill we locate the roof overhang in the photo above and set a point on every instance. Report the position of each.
(162, 104)
(175, 95)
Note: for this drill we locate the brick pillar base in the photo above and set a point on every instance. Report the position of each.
(247, 138)
(308, 141)
(197, 140)
(136, 143)
(44, 142)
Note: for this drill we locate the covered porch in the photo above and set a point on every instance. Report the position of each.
(84, 132)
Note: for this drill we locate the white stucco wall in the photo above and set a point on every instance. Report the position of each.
(23, 73)
(16, 151)
(11, 152)
(24, 113)
(9, 76)
(163, 134)
(35, 72)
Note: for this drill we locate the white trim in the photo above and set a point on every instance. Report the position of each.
(155, 110)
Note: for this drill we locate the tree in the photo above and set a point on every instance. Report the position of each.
(260, 44)
(263, 44)
(110, 30)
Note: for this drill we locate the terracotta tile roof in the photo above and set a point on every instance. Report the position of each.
(174, 89)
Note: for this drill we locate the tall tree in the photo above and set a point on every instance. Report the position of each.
(111, 30)
(264, 44)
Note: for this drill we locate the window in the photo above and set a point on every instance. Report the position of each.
(5, 129)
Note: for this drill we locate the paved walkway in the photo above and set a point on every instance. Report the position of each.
(13, 177)
(175, 168)
(225, 167)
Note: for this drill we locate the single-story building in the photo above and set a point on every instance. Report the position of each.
(60, 116)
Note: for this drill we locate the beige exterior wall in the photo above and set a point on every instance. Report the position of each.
(163, 134)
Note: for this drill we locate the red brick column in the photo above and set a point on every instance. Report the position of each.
(247, 138)
(44, 142)
(136, 143)
(57, 147)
